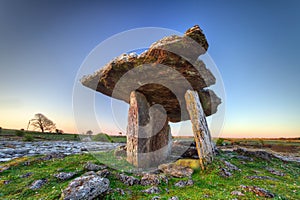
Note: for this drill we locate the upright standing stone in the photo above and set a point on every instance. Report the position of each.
(148, 133)
(202, 135)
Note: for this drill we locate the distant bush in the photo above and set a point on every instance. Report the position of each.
(20, 133)
(102, 137)
(58, 131)
(0, 129)
(28, 138)
(220, 142)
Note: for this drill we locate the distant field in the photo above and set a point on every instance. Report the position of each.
(10, 134)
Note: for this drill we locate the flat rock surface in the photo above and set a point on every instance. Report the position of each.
(16, 149)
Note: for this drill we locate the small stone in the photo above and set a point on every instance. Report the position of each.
(152, 190)
(26, 175)
(119, 190)
(176, 170)
(262, 178)
(174, 198)
(231, 166)
(85, 188)
(275, 172)
(128, 180)
(6, 182)
(89, 173)
(3, 168)
(64, 175)
(184, 183)
(238, 193)
(258, 191)
(246, 158)
(156, 198)
(150, 179)
(93, 167)
(38, 184)
(103, 173)
(225, 173)
(164, 178)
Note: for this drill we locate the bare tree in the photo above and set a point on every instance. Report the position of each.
(89, 132)
(41, 122)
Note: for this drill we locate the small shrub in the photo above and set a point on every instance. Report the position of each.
(20, 133)
(220, 142)
(102, 137)
(58, 131)
(28, 138)
(0, 129)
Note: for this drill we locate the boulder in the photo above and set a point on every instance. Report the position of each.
(86, 188)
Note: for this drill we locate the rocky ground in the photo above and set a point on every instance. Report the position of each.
(16, 149)
(67, 172)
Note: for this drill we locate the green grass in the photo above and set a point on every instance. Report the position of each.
(206, 183)
(9, 134)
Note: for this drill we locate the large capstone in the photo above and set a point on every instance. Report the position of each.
(162, 74)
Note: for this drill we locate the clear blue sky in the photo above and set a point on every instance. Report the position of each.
(255, 45)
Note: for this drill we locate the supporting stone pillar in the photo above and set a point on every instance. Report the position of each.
(204, 145)
(148, 133)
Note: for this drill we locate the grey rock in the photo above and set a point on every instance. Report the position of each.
(238, 193)
(258, 154)
(152, 190)
(103, 173)
(150, 179)
(262, 178)
(86, 188)
(231, 166)
(93, 167)
(38, 184)
(174, 198)
(275, 172)
(155, 198)
(225, 173)
(246, 158)
(119, 190)
(258, 191)
(128, 180)
(182, 183)
(64, 175)
(26, 175)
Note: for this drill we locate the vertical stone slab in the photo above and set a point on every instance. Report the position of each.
(202, 135)
(148, 133)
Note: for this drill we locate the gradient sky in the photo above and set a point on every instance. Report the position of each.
(255, 45)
